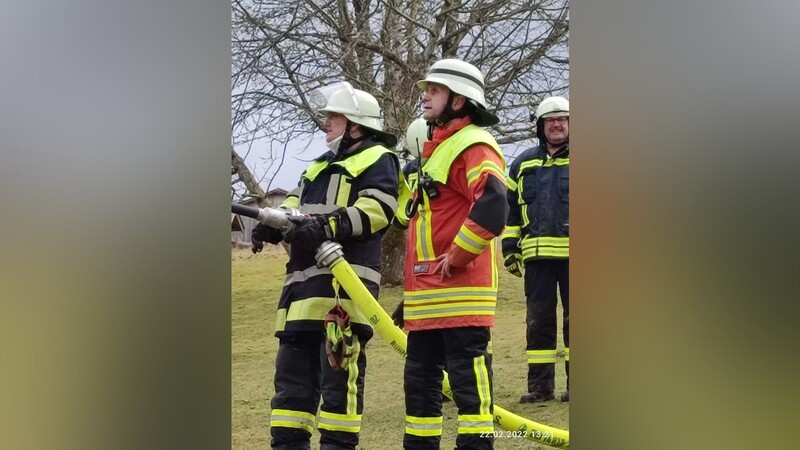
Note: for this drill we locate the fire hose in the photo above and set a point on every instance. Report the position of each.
(330, 255)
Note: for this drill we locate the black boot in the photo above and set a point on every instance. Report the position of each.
(565, 396)
(536, 397)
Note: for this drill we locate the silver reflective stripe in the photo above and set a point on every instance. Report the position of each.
(333, 188)
(317, 208)
(344, 423)
(355, 221)
(414, 299)
(424, 426)
(364, 273)
(410, 312)
(380, 196)
(470, 241)
(475, 424)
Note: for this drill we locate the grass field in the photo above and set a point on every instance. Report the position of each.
(256, 285)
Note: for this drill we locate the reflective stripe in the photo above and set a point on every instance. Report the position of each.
(424, 426)
(546, 246)
(511, 184)
(381, 196)
(482, 385)
(292, 419)
(374, 211)
(355, 221)
(450, 311)
(556, 162)
(339, 422)
(438, 165)
(489, 347)
(292, 199)
(365, 273)
(475, 423)
(541, 356)
(424, 232)
(417, 298)
(487, 166)
(566, 354)
(470, 241)
(352, 377)
(530, 164)
(315, 308)
(511, 232)
(331, 196)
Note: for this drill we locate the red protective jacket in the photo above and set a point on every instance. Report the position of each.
(468, 171)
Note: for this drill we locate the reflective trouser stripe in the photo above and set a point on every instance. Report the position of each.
(482, 387)
(489, 347)
(292, 419)
(352, 378)
(424, 426)
(475, 423)
(339, 422)
(541, 356)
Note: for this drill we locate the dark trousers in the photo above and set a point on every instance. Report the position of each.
(542, 278)
(302, 375)
(463, 353)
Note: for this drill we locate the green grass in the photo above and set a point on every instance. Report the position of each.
(256, 285)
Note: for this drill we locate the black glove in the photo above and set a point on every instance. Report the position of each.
(513, 264)
(311, 231)
(397, 315)
(263, 233)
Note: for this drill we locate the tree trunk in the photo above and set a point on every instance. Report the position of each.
(393, 255)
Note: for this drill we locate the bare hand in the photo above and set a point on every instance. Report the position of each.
(443, 266)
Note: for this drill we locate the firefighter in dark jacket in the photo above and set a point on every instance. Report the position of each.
(451, 275)
(348, 195)
(537, 239)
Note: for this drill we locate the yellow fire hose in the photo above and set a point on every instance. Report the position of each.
(330, 255)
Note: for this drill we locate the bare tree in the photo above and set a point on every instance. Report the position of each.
(282, 50)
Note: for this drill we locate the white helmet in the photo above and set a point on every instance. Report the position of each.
(553, 107)
(550, 107)
(464, 79)
(358, 106)
(416, 136)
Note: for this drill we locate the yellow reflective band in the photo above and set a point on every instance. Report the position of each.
(343, 191)
(418, 297)
(487, 166)
(557, 247)
(475, 423)
(489, 347)
(530, 164)
(511, 183)
(557, 162)
(566, 354)
(424, 232)
(291, 201)
(292, 419)
(424, 426)
(352, 376)
(315, 308)
(511, 232)
(541, 356)
(470, 241)
(339, 422)
(482, 385)
(373, 209)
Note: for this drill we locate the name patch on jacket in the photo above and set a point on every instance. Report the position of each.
(421, 268)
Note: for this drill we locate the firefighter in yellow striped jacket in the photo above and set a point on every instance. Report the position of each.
(348, 195)
(537, 238)
(450, 273)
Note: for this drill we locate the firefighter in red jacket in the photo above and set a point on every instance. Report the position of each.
(537, 238)
(450, 274)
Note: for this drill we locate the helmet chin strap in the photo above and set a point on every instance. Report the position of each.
(448, 113)
(348, 140)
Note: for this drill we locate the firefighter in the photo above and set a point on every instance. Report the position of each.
(537, 238)
(416, 137)
(450, 271)
(348, 195)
